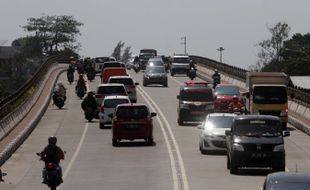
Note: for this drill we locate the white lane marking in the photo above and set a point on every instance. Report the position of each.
(180, 159)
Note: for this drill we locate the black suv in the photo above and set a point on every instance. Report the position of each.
(196, 100)
(255, 141)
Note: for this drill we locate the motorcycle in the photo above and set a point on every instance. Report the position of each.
(89, 114)
(91, 75)
(80, 91)
(53, 175)
(136, 67)
(216, 81)
(192, 73)
(59, 101)
(70, 77)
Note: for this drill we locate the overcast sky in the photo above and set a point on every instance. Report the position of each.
(235, 25)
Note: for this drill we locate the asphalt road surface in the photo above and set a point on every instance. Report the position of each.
(174, 162)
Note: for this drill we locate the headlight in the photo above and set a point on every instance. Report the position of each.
(283, 113)
(279, 148)
(237, 147)
(184, 106)
(207, 135)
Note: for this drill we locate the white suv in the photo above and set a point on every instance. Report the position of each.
(180, 64)
(108, 106)
(129, 84)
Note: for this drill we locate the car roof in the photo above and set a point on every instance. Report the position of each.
(155, 59)
(220, 85)
(199, 87)
(121, 76)
(133, 105)
(288, 177)
(115, 97)
(222, 114)
(180, 56)
(269, 117)
(111, 84)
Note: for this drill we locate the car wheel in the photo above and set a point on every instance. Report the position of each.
(180, 122)
(150, 141)
(165, 84)
(172, 73)
(233, 166)
(144, 83)
(114, 142)
(228, 162)
(101, 125)
(279, 168)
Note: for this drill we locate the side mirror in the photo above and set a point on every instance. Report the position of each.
(201, 126)
(178, 96)
(136, 83)
(286, 133)
(110, 115)
(153, 114)
(227, 132)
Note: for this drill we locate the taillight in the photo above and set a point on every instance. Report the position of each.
(102, 109)
(50, 165)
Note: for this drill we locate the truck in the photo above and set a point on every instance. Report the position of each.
(266, 94)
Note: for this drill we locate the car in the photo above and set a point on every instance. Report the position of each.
(180, 64)
(129, 84)
(108, 106)
(155, 75)
(132, 121)
(286, 181)
(196, 101)
(224, 94)
(255, 141)
(144, 58)
(109, 89)
(99, 61)
(157, 61)
(212, 136)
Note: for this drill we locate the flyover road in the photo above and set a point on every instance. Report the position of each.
(173, 162)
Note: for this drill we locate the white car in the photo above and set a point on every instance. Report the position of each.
(99, 61)
(108, 106)
(129, 84)
(212, 136)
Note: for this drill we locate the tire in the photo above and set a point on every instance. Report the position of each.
(233, 166)
(144, 83)
(114, 142)
(284, 126)
(101, 125)
(172, 73)
(180, 122)
(279, 168)
(150, 141)
(228, 162)
(165, 84)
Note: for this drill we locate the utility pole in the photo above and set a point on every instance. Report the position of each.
(184, 38)
(220, 49)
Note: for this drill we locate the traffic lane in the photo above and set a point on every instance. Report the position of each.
(203, 171)
(24, 168)
(133, 165)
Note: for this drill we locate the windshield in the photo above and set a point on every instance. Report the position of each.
(155, 63)
(181, 60)
(121, 81)
(132, 112)
(269, 95)
(112, 103)
(257, 127)
(227, 90)
(290, 186)
(111, 90)
(197, 95)
(156, 70)
(219, 122)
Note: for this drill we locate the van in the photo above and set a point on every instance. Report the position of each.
(112, 71)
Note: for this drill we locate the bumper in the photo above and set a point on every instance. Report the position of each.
(105, 119)
(179, 70)
(213, 143)
(155, 80)
(190, 115)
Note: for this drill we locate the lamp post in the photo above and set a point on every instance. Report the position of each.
(184, 42)
(220, 49)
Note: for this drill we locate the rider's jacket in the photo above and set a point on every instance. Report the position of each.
(52, 154)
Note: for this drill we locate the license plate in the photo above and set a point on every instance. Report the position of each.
(258, 155)
(132, 126)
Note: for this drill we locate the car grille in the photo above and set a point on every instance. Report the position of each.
(220, 144)
(258, 147)
(274, 113)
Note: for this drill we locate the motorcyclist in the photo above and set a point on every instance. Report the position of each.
(52, 154)
(235, 104)
(70, 69)
(216, 78)
(60, 90)
(89, 102)
(192, 65)
(81, 82)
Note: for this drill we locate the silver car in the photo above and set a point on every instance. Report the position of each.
(212, 136)
(129, 84)
(155, 75)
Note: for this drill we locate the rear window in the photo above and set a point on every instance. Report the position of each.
(125, 81)
(116, 64)
(219, 121)
(227, 90)
(101, 59)
(204, 95)
(132, 112)
(257, 127)
(111, 90)
(181, 60)
(112, 103)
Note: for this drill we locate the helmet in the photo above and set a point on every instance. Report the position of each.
(216, 71)
(235, 98)
(90, 93)
(60, 83)
(52, 140)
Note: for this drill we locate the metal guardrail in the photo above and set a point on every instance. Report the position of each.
(240, 74)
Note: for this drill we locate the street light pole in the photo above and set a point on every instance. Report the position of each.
(184, 38)
(220, 49)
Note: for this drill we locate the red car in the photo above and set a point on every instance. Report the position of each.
(132, 121)
(224, 94)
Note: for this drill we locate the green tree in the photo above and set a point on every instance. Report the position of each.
(54, 32)
(270, 50)
(126, 54)
(118, 50)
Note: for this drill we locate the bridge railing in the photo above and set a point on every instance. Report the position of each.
(300, 96)
(12, 106)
